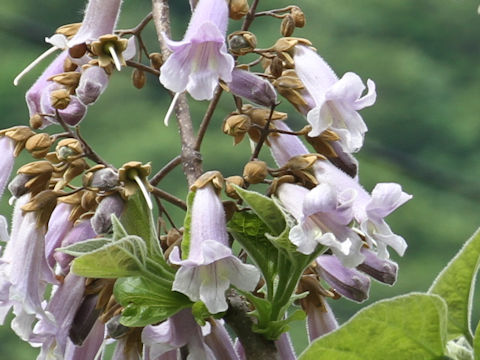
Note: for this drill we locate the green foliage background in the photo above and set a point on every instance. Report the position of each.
(424, 129)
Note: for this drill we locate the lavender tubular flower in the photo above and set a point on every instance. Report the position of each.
(58, 227)
(177, 331)
(337, 101)
(220, 342)
(90, 347)
(7, 158)
(320, 320)
(323, 218)
(52, 330)
(348, 282)
(93, 82)
(102, 220)
(211, 266)
(201, 58)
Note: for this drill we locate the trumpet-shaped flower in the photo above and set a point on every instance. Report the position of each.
(201, 58)
(323, 217)
(7, 148)
(336, 101)
(210, 266)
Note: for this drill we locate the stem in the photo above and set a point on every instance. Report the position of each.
(250, 16)
(165, 170)
(208, 116)
(170, 198)
(143, 67)
(191, 159)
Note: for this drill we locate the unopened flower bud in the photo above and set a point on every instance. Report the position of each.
(382, 270)
(43, 205)
(156, 59)
(92, 84)
(102, 220)
(138, 78)
(347, 282)
(60, 99)
(229, 189)
(288, 25)
(255, 171)
(40, 173)
(68, 148)
(39, 145)
(17, 185)
(298, 16)
(68, 30)
(241, 42)
(238, 9)
(115, 329)
(276, 67)
(69, 65)
(104, 179)
(253, 88)
(288, 43)
(36, 121)
(237, 126)
(69, 80)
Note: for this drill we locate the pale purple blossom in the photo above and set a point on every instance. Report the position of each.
(201, 58)
(91, 345)
(323, 217)
(210, 267)
(285, 347)
(7, 159)
(253, 88)
(177, 331)
(220, 341)
(52, 330)
(337, 101)
(320, 319)
(58, 227)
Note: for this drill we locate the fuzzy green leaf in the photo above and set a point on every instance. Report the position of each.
(146, 302)
(187, 225)
(84, 247)
(406, 327)
(456, 283)
(265, 209)
(125, 257)
(137, 220)
(476, 343)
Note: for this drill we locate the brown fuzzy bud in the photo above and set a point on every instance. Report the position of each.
(43, 205)
(138, 78)
(288, 25)
(60, 99)
(68, 30)
(36, 121)
(288, 43)
(68, 149)
(255, 171)
(229, 189)
(156, 59)
(69, 65)
(18, 133)
(69, 80)
(75, 168)
(173, 236)
(237, 126)
(40, 173)
(238, 9)
(39, 145)
(298, 16)
(276, 67)
(241, 42)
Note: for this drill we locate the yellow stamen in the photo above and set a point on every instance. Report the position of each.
(34, 63)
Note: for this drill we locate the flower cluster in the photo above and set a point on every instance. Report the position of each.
(87, 229)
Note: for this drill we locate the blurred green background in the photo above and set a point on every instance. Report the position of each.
(424, 130)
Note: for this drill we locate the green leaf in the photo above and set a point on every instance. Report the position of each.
(265, 208)
(137, 220)
(406, 327)
(119, 231)
(84, 247)
(249, 230)
(146, 302)
(125, 257)
(456, 285)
